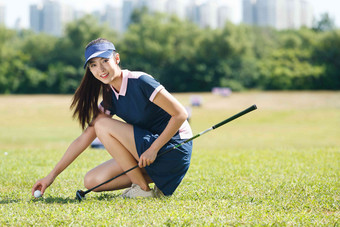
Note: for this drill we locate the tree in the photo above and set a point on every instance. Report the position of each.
(16, 76)
(327, 53)
(41, 49)
(325, 23)
(163, 46)
(66, 65)
(70, 48)
(291, 66)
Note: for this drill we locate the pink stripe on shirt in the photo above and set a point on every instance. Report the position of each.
(155, 92)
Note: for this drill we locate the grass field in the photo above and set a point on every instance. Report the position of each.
(279, 165)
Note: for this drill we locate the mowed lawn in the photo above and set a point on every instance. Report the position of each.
(278, 165)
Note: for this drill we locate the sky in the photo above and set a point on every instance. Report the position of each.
(20, 8)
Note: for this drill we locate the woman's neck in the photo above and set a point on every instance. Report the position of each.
(116, 83)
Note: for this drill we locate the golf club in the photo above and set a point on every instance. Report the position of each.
(81, 194)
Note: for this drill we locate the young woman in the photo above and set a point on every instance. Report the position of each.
(154, 121)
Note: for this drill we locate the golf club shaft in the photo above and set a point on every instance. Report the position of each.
(251, 108)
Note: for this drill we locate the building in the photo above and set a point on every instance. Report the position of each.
(36, 18)
(114, 18)
(248, 12)
(68, 14)
(155, 5)
(52, 21)
(307, 14)
(192, 12)
(223, 15)
(50, 17)
(128, 7)
(294, 13)
(280, 14)
(176, 7)
(208, 15)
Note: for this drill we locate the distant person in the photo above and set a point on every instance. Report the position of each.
(154, 122)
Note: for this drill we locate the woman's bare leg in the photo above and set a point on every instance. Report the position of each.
(108, 170)
(118, 139)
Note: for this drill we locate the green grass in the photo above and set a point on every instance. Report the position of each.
(279, 165)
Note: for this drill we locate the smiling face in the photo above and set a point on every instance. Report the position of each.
(105, 69)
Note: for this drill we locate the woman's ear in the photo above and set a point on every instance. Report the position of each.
(117, 58)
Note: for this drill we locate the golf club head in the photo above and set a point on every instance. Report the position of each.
(80, 195)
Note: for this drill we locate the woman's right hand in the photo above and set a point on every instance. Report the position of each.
(42, 184)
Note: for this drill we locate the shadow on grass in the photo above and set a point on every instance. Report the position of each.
(58, 200)
(8, 201)
(106, 197)
(61, 200)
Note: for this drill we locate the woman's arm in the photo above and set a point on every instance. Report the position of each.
(73, 151)
(178, 115)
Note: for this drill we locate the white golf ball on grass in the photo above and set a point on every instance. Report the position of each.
(37, 194)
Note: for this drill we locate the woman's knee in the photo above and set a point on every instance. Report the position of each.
(108, 126)
(91, 180)
(100, 125)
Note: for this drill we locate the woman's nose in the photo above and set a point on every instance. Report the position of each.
(101, 67)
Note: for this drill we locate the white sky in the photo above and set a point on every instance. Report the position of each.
(20, 8)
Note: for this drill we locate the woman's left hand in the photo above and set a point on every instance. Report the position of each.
(147, 158)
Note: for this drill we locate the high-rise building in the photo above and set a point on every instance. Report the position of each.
(128, 6)
(264, 11)
(36, 18)
(113, 17)
(52, 23)
(208, 15)
(248, 13)
(280, 14)
(306, 14)
(176, 7)
(17, 24)
(50, 17)
(223, 15)
(192, 12)
(156, 5)
(67, 14)
(2, 13)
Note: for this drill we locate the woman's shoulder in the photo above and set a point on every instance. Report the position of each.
(137, 74)
(142, 78)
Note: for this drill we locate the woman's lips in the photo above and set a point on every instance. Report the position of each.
(104, 76)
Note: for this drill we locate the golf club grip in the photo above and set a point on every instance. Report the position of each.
(249, 109)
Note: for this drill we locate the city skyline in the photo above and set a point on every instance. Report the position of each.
(22, 12)
(280, 14)
(51, 16)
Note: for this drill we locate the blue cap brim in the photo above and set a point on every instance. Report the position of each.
(102, 50)
(101, 54)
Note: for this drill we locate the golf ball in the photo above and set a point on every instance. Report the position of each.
(37, 194)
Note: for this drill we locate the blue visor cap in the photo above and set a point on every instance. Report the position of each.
(101, 50)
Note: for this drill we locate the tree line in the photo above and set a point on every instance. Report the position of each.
(182, 56)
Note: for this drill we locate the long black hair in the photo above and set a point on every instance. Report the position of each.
(85, 99)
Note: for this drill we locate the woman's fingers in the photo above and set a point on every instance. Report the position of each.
(36, 186)
(43, 188)
(41, 185)
(144, 161)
